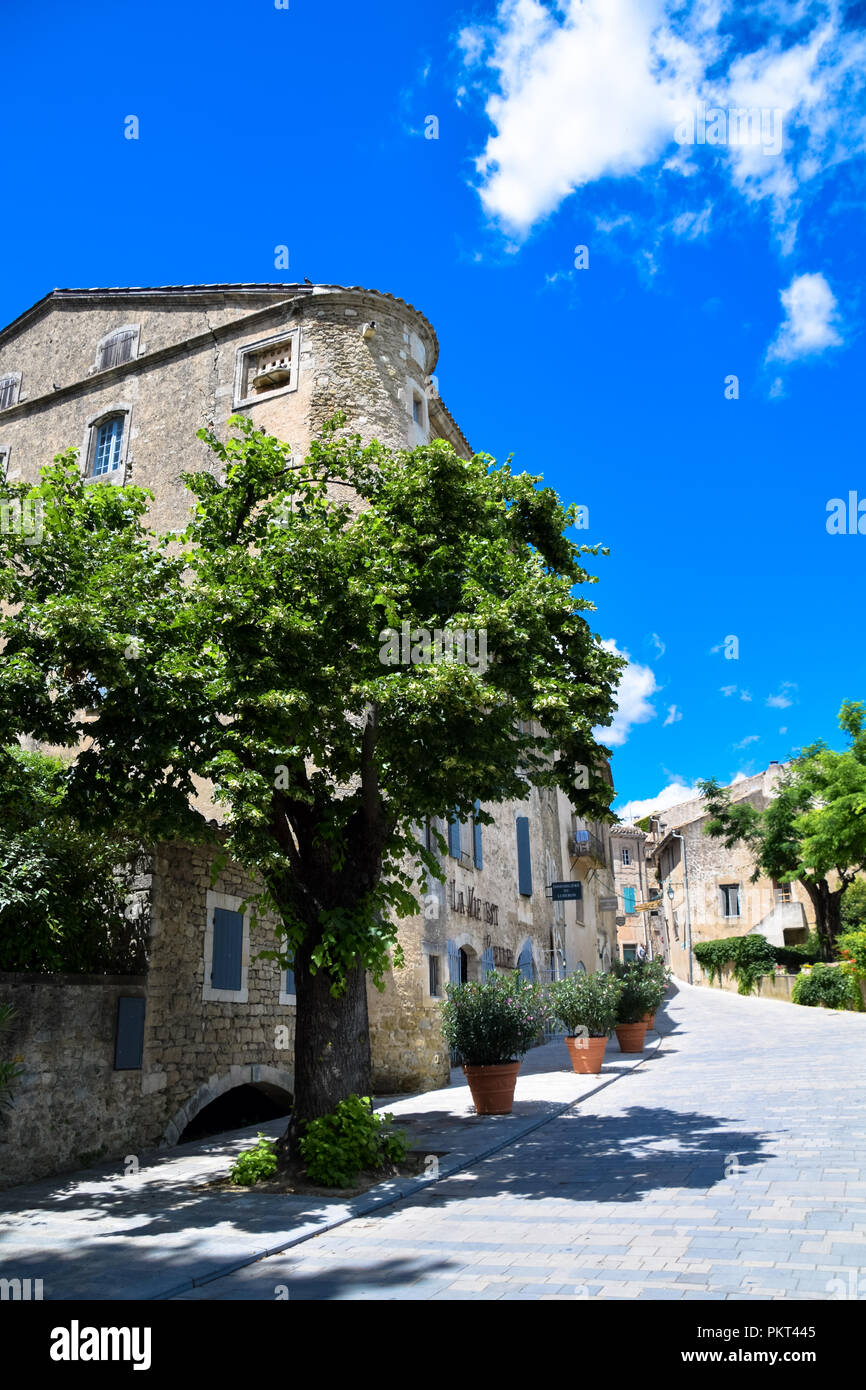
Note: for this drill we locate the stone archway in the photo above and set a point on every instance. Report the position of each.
(265, 1078)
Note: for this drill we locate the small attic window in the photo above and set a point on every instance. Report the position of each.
(116, 348)
(10, 386)
(266, 367)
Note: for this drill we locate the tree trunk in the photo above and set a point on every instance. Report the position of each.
(828, 914)
(332, 1045)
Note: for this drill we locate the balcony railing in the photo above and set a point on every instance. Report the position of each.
(586, 845)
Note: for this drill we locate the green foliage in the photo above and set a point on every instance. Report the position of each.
(750, 957)
(814, 827)
(641, 992)
(62, 891)
(256, 665)
(254, 1164)
(587, 1002)
(795, 957)
(336, 1148)
(852, 950)
(829, 986)
(853, 910)
(9, 1070)
(495, 1020)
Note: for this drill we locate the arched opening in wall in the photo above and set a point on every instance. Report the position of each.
(237, 1108)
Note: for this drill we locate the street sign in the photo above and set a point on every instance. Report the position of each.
(566, 892)
(607, 904)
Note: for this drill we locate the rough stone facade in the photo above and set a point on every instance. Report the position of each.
(288, 356)
(634, 928)
(721, 899)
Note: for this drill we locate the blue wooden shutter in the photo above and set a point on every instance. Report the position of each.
(628, 899)
(476, 837)
(290, 981)
(524, 858)
(454, 837)
(524, 962)
(453, 963)
(228, 936)
(487, 961)
(129, 1043)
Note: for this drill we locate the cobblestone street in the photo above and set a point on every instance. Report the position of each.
(731, 1165)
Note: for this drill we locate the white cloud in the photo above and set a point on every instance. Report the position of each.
(594, 89)
(728, 689)
(810, 315)
(674, 716)
(785, 697)
(673, 794)
(751, 738)
(636, 685)
(784, 729)
(657, 643)
(745, 695)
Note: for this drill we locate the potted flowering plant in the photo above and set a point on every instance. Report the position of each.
(490, 1025)
(658, 978)
(586, 1006)
(640, 996)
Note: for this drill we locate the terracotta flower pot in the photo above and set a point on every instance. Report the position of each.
(493, 1087)
(587, 1054)
(630, 1036)
(650, 1021)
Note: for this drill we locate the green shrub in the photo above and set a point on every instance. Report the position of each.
(640, 994)
(254, 1164)
(852, 949)
(827, 986)
(337, 1147)
(588, 1003)
(751, 957)
(494, 1021)
(9, 1070)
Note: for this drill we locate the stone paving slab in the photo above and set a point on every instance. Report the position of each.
(710, 1173)
(101, 1235)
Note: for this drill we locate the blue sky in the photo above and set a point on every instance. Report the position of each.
(735, 255)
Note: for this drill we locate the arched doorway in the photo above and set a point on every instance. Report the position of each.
(525, 963)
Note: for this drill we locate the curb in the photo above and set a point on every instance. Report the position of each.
(379, 1199)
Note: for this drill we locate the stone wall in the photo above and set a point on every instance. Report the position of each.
(73, 1107)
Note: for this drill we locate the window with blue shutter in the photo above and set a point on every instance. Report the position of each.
(109, 438)
(524, 962)
(290, 981)
(628, 899)
(476, 839)
(454, 837)
(453, 963)
(129, 1042)
(228, 937)
(524, 858)
(487, 961)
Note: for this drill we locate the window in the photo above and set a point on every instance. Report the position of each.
(418, 410)
(226, 949)
(730, 899)
(628, 900)
(265, 368)
(477, 845)
(287, 985)
(454, 836)
(107, 447)
(433, 967)
(628, 953)
(116, 348)
(524, 857)
(10, 386)
(626, 856)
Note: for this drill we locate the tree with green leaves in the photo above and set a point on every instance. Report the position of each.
(246, 653)
(63, 888)
(814, 829)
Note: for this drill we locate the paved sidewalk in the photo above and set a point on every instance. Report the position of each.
(101, 1235)
(731, 1165)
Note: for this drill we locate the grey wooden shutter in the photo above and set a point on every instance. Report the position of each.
(228, 936)
(524, 858)
(524, 963)
(129, 1041)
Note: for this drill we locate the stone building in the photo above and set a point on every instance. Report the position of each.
(637, 923)
(128, 376)
(706, 889)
